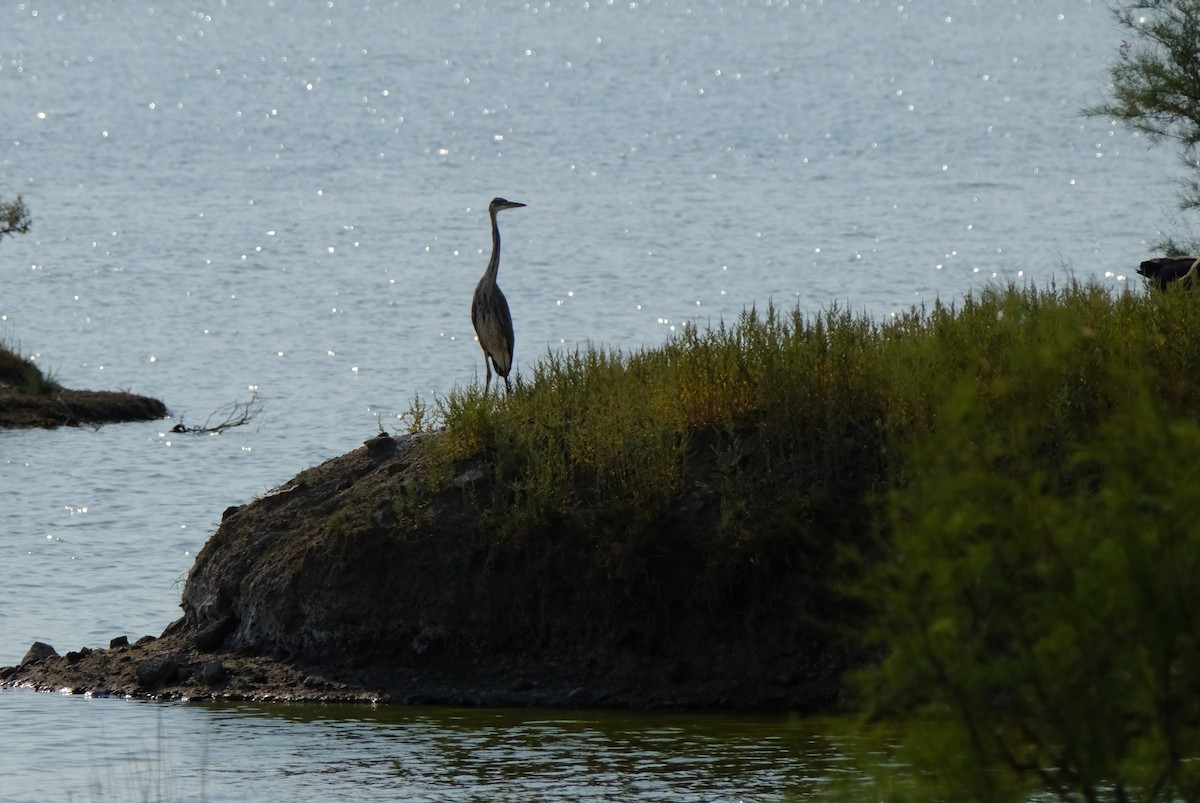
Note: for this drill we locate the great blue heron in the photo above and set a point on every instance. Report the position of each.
(1165, 270)
(489, 309)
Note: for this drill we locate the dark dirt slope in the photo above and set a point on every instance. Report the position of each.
(353, 582)
(72, 408)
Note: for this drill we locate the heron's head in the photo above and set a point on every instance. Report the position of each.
(500, 203)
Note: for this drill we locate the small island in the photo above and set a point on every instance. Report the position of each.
(974, 523)
(28, 398)
(945, 519)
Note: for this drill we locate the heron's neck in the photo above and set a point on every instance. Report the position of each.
(494, 263)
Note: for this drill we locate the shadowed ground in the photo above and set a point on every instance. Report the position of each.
(347, 584)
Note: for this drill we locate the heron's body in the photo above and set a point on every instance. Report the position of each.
(489, 308)
(1166, 270)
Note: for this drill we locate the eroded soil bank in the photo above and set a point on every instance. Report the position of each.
(354, 582)
(72, 408)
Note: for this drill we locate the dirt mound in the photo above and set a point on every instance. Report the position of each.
(72, 408)
(355, 582)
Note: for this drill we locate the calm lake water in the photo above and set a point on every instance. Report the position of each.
(146, 751)
(289, 200)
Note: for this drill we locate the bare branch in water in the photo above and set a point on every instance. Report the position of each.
(236, 414)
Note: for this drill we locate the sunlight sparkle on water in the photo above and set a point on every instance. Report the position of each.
(882, 192)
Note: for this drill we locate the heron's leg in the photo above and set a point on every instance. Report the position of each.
(507, 386)
(487, 363)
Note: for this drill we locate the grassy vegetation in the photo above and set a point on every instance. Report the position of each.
(1012, 478)
(836, 399)
(21, 373)
(748, 450)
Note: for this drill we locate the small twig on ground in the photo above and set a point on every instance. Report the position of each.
(236, 414)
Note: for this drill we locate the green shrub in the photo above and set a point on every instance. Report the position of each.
(1037, 602)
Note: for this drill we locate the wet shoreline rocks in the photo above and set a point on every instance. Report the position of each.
(165, 668)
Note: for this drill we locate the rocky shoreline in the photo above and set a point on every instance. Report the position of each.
(355, 583)
(171, 667)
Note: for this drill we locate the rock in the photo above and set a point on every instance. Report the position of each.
(39, 651)
(210, 637)
(381, 446)
(212, 672)
(156, 671)
(144, 640)
(119, 641)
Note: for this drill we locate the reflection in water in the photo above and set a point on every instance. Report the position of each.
(217, 752)
(487, 754)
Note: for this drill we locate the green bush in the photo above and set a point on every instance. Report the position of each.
(1037, 602)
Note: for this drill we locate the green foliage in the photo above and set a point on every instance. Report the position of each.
(584, 428)
(14, 218)
(1156, 85)
(802, 413)
(1037, 602)
(21, 373)
(609, 439)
